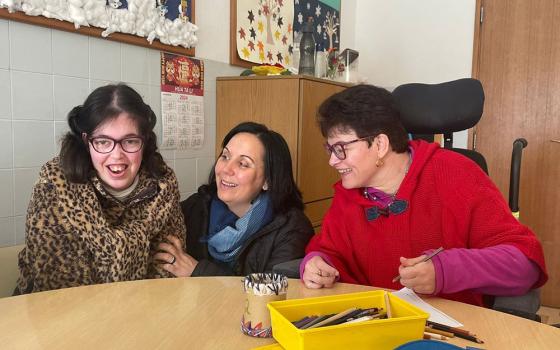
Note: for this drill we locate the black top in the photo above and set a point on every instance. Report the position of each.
(281, 240)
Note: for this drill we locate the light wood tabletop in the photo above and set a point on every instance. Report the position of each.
(200, 313)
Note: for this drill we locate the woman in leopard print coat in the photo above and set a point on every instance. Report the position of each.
(99, 209)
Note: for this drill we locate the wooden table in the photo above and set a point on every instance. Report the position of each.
(200, 313)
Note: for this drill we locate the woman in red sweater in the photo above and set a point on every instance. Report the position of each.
(398, 200)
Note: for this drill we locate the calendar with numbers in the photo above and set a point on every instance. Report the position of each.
(182, 102)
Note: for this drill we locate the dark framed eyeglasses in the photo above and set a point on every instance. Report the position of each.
(398, 206)
(339, 148)
(104, 144)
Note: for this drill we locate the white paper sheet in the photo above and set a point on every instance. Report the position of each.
(435, 315)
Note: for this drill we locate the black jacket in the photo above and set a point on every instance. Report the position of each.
(283, 239)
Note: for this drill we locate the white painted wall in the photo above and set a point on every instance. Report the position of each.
(403, 41)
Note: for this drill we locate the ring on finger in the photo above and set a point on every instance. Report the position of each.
(173, 260)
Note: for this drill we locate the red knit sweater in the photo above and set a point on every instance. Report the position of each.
(452, 203)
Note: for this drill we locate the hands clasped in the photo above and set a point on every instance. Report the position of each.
(174, 259)
(319, 274)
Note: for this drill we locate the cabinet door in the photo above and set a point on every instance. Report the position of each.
(272, 102)
(315, 177)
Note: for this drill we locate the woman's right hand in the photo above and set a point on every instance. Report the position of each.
(318, 274)
(176, 261)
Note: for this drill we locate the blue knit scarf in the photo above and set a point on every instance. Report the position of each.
(227, 233)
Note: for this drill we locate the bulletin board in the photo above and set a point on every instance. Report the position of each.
(168, 34)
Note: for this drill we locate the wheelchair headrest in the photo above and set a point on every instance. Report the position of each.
(440, 108)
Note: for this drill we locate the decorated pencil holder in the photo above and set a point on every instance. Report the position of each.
(260, 289)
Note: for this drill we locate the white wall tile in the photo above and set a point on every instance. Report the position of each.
(209, 107)
(33, 143)
(68, 93)
(4, 44)
(7, 232)
(135, 67)
(70, 54)
(203, 167)
(185, 170)
(30, 48)
(94, 84)
(6, 145)
(20, 229)
(105, 59)
(155, 104)
(5, 94)
(6, 193)
(25, 179)
(60, 129)
(154, 67)
(32, 96)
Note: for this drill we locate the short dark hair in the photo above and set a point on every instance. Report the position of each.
(103, 104)
(367, 110)
(282, 188)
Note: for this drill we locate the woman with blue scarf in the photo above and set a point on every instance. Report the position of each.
(250, 215)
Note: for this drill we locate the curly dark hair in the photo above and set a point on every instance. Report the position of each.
(282, 189)
(367, 110)
(103, 104)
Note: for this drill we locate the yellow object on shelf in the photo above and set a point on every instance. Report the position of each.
(406, 324)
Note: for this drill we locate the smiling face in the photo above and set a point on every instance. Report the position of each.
(116, 169)
(358, 169)
(240, 172)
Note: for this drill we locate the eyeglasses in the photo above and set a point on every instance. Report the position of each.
(104, 144)
(398, 206)
(339, 148)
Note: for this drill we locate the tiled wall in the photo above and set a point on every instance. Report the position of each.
(43, 74)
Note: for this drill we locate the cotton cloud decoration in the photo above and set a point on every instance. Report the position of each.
(143, 18)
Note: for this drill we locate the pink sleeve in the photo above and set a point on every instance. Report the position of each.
(311, 255)
(499, 270)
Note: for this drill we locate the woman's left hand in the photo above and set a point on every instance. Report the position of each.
(179, 263)
(417, 275)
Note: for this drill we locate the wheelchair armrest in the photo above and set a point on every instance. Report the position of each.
(525, 306)
(289, 269)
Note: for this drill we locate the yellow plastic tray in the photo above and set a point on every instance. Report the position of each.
(407, 323)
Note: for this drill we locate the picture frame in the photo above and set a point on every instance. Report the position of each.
(96, 32)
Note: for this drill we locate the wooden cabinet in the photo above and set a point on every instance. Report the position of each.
(288, 105)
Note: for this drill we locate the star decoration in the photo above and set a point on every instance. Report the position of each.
(289, 28)
(266, 10)
(251, 17)
(261, 56)
(246, 52)
(279, 57)
(277, 35)
(251, 45)
(260, 45)
(241, 33)
(253, 33)
(280, 22)
(318, 11)
(319, 29)
(284, 40)
(269, 56)
(290, 49)
(260, 26)
(287, 60)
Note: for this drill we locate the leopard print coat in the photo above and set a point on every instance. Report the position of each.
(78, 234)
